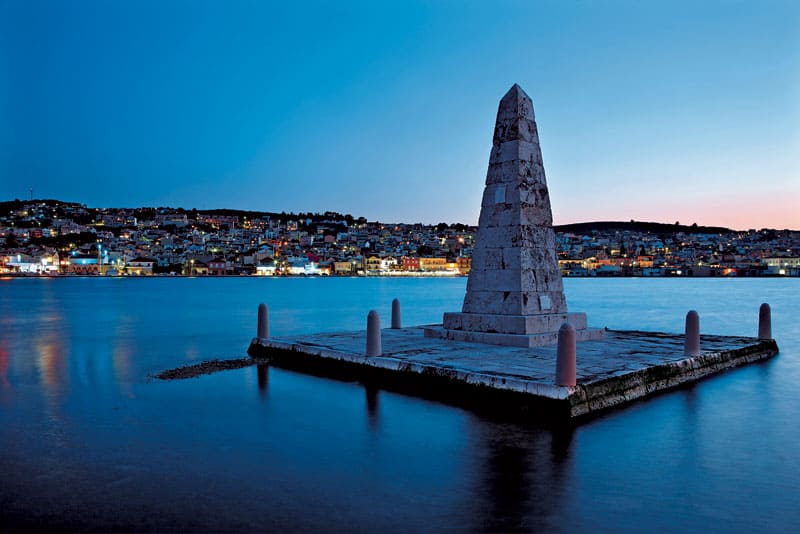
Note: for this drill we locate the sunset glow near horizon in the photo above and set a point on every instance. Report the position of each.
(648, 111)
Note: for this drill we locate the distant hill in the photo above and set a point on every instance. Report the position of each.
(6, 207)
(639, 226)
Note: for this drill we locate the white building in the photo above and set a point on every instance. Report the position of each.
(782, 266)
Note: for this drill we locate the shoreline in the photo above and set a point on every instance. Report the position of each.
(405, 275)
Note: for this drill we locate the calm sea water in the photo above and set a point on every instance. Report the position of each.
(89, 441)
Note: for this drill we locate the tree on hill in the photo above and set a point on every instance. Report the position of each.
(424, 251)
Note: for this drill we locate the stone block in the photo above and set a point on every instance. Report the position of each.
(496, 237)
(514, 172)
(511, 128)
(509, 303)
(510, 340)
(512, 261)
(512, 324)
(534, 215)
(479, 261)
(502, 215)
(478, 322)
(512, 197)
(531, 304)
(515, 104)
(493, 194)
(516, 236)
(542, 237)
(538, 261)
(551, 322)
(488, 259)
(549, 282)
(534, 192)
(501, 280)
(516, 150)
(511, 258)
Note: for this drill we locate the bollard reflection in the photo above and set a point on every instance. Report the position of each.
(373, 414)
(262, 371)
(561, 442)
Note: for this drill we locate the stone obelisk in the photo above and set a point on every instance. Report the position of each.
(514, 293)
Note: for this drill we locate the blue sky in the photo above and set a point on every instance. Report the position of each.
(659, 111)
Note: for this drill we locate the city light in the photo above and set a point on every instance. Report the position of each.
(133, 244)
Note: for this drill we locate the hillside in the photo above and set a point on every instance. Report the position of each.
(640, 226)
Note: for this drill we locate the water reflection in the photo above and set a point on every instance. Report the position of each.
(63, 420)
(373, 405)
(3, 366)
(688, 441)
(262, 371)
(50, 363)
(561, 442)
(124, 348)
(521, 475)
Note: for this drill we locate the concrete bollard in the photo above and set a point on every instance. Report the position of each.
(565, 355)
(396, 318)
(374, 334)
(765, 322)
(691, 345)
(263, 321)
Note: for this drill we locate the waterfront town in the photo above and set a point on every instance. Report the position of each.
(54, 238)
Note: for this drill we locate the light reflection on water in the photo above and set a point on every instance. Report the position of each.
(83, 429)
(3, 365)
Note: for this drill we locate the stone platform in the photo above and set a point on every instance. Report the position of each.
(619, 368)
(511, 330)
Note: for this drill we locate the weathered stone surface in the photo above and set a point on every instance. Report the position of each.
(617, 369)
(515, 269)
(513, 303)
(515, 236)
(510, 340)
(514, 151)
(512, 324)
